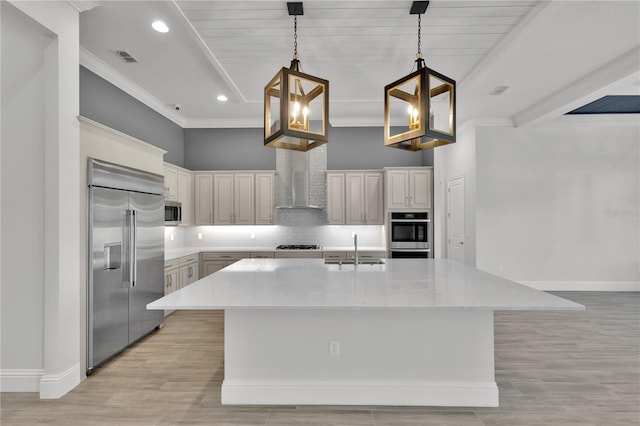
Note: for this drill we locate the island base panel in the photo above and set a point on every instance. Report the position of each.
(387, 357)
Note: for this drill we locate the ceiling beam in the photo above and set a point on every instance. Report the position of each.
(622, 70)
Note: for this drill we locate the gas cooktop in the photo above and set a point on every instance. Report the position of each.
(298, 247)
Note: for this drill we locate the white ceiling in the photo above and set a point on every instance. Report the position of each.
(552, 55)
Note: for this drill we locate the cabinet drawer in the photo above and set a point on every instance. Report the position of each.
(170, 264)
(225, 255)
(368, 254)
(262, 255)
(334, 254)
(188, 259)
(299, 255)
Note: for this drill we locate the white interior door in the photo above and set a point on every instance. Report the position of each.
(455, 219)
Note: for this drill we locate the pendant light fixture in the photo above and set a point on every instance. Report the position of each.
(296, 105)
(420, 108)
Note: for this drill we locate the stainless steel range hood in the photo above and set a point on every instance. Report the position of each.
(301, 178)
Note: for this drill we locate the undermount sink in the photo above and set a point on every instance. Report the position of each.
(352, 261)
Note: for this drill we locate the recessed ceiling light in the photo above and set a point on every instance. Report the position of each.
(160, 27)
(222, 98)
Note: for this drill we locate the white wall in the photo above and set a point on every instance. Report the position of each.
(40, 285)
(451, 161)
(558, 205)
(23, 133)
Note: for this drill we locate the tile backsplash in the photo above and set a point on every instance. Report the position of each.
(174, 237)
(271, 236)
(294, 226)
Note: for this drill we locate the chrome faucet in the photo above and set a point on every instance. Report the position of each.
(355, 245)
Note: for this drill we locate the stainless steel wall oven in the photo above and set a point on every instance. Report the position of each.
(409, 235)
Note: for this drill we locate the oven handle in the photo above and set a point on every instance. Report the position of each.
(410, 250)
(410, 220)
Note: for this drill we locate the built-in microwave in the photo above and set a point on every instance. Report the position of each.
(409, 231)
(172, 213)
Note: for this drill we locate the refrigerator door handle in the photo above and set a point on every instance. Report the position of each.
(128, 224)
(134, 244)
(130, 280)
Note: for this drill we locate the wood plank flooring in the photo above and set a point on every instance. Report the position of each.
(552, 368)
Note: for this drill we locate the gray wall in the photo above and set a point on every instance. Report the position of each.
(105, 103)
(243, 149)
(227, 149)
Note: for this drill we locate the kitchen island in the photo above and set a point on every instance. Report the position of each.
(407, 332)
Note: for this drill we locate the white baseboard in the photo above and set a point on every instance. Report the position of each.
(583, 285)
(54, 386)
(20, 380)
(343, 392)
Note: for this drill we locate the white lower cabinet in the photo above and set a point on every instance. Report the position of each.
(188, 270)
(171, 276)
(179, 273)
(214, 261)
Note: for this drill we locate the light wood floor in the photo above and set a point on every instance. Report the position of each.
(552, 368)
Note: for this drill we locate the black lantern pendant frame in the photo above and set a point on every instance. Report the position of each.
(422, 132)
(285, 134)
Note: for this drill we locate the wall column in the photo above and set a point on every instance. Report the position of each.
(62, 233)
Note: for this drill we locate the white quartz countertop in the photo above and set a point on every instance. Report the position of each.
(187, 251)
(398, 284)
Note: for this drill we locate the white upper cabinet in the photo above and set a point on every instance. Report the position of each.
(223, 199)
(178, 186)
(244, 199)
(409, 188)
(203, 183)
(265, 198)
(233, 198)
(335, 198)
(355, 198)
(170, 182)
(373, 198)
(185, 196)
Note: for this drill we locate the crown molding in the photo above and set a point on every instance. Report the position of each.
(97, 66)
(84, 5)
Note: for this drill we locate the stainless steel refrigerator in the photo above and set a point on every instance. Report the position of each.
(126, 257)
